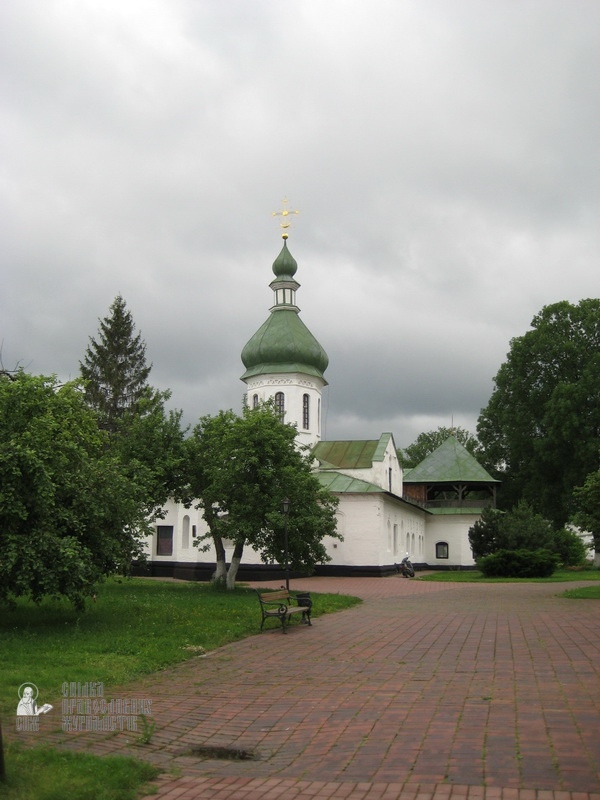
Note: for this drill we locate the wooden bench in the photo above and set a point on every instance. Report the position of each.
(282, 605)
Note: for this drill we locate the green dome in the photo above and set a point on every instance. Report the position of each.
(285, 265)
(284, 344)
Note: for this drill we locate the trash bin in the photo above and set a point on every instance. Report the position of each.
(303, 599)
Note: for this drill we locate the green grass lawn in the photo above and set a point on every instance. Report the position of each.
(135, 627)
(43, 773)
(584, 593)
(474, 576)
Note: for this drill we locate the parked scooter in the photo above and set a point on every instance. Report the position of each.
(405, 568)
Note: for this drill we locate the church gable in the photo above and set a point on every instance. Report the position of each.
(373, 461)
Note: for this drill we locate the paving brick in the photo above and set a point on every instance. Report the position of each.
(426, 691)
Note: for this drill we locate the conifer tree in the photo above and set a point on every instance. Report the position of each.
(115, 368)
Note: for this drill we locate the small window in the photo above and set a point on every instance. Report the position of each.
(255, 401)
(164, 540)
(441, 550)
(305, 412)
(280, 404)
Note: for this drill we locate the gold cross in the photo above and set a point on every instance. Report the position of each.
(285, 217)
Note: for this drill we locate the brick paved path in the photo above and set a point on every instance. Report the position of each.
(425, 691)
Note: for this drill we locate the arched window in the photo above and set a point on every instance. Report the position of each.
(255, 401)
(280, 404)
(185, 533)
(305, 412)
(441, 550)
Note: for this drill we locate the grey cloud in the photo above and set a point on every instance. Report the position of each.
(443, 156)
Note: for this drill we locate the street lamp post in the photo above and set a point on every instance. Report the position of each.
(286, 509)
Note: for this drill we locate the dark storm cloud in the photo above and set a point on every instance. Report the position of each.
(444, 156)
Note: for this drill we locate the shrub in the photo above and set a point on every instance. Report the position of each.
(518, 529)
(518, 564)
(569, 547)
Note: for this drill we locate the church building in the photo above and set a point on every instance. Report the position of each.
(383, 514)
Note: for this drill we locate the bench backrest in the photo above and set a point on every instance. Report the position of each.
(280, 594)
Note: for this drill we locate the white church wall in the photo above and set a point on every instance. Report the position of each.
(187, 526)
(453, 530)
(376, 530)
(295, 386)
(363, 529)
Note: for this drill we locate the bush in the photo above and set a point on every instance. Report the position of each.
(518, 564)
(569, 547)
(518, 529)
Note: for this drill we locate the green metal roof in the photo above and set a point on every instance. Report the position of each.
(336, 482)
(285, 265)
(351, 454)
(450, 463)
(284, 344)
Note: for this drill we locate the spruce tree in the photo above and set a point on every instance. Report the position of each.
(115, 368)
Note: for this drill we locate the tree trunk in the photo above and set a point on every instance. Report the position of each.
(234, 566)
(220, 573)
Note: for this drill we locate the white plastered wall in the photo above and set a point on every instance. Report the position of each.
(376, 529)
(294, 386)
(454, 530)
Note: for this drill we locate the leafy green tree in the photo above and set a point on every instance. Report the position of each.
(242, 468)
(149, 443)
(587, 509)
(69, 513)
(114, 367)
(541, 428)
(522, 529)
(519, 529)
(426, 443)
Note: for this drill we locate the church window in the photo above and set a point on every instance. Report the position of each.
(185, 533)
(255, 401)
(164, 540)
(305, 412)
(441, 550)
(280, 404)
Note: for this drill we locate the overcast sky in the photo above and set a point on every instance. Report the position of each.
(444, 156)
